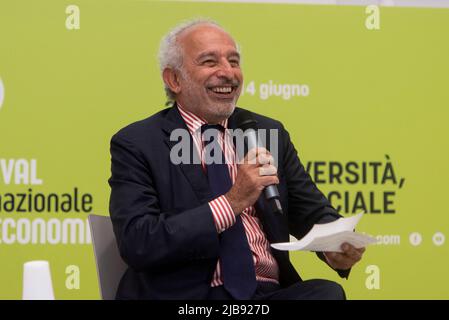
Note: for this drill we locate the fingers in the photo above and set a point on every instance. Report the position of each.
(346, 259)
(338, 260)
(267, 170)
(265, 158)
(259, 156)
(352, 252)
(269, 180)
(252, 155)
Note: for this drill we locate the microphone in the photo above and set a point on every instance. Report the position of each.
(248, 125)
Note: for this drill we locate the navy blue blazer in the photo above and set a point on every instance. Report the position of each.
(162, 220)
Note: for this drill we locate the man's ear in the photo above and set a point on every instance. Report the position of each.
(171, 79)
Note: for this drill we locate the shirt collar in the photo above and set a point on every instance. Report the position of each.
(195, 122)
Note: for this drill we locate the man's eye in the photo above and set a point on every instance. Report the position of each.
(234, 63)
(209, 62)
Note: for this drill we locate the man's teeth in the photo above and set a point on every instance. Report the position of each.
(222, 89)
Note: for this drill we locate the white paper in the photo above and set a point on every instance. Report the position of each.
(329, 237)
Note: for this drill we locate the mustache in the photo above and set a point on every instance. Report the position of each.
(224, 82)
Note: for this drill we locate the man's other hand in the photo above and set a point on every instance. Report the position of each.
(346, 259)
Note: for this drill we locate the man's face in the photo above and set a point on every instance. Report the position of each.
(211, 79)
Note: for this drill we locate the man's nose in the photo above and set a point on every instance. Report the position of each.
(225, 70)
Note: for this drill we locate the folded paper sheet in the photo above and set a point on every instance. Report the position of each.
(329, 237)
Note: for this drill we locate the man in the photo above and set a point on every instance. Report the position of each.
(203, 231)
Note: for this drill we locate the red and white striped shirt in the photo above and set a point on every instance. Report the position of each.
(265, 265)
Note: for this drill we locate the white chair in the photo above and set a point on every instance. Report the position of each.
(110, 266)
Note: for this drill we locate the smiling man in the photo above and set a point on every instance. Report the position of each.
(203, 230)
(209, 81)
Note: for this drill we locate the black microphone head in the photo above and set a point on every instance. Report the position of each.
(244, 120)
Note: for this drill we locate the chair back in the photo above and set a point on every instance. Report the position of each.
(110, 266)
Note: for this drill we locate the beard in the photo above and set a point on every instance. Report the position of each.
(222, 110)
(202, 105)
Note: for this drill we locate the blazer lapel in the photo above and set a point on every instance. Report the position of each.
(193, 171)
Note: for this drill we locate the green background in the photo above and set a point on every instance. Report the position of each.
(372, 93)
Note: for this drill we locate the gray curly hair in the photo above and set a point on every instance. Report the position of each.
(170, 51)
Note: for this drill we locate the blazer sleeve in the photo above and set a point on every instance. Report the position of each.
(307, 205)
(148, 238)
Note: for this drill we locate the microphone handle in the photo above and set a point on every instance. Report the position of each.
(271, 192)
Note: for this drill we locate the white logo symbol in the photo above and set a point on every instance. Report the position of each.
(415, 238)
(373, 280)
(438, 239)
(2, 90)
